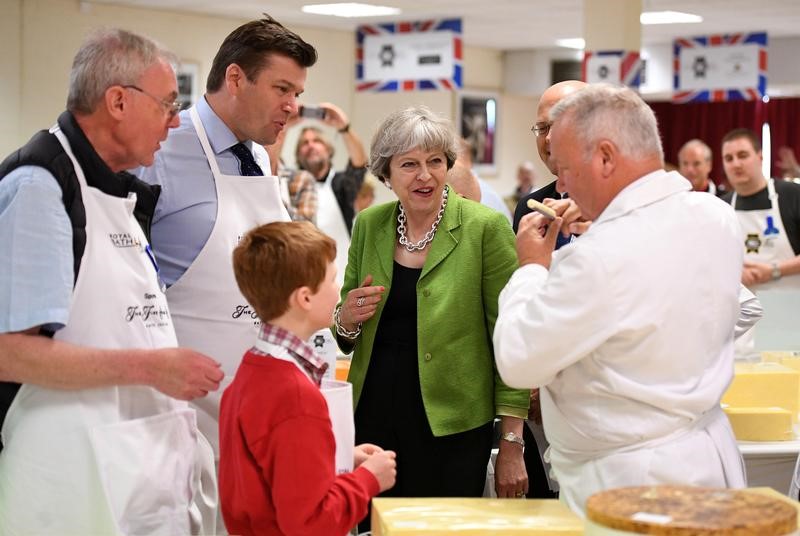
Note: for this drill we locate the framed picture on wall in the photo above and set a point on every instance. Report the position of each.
(187, 74)
(477, 123)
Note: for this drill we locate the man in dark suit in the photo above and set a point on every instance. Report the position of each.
(538, 484)
(541, 128)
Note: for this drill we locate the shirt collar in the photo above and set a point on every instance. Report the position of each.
(298, 349)
(219, 135)
(648, 189)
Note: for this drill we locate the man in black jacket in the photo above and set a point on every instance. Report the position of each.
(541, 128)
(538, 487)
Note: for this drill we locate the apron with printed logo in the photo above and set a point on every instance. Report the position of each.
(764, 239)
(209, 311)
(331, 222)
(110, 460)
(339, 397)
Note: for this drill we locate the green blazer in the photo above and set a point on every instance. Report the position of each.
(470, 261)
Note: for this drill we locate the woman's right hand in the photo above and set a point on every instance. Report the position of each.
(360, 304)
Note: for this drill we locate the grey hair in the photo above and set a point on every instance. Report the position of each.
(110, 57)
(416, 127)
(697, 143)
(602, 111)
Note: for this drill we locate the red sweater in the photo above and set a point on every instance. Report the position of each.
(277, 472)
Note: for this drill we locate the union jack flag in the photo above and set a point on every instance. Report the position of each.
(612, 66)
(449, 32)
(720, 67)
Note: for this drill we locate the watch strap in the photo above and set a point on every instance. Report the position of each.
(511, 437)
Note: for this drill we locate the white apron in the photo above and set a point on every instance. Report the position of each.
(339, 397)
(331, 222)
(764, 239)
(649, 462)
(111, 460)
(209, 312)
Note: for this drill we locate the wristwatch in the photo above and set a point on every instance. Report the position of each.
(511, 437)
(776, 271)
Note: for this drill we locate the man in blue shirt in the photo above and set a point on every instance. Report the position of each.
(216, 185)
(87, 350)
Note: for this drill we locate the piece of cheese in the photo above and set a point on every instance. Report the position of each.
(760, 424)
(778, 356)
(683, 510)
(473, 517)
(764, 385)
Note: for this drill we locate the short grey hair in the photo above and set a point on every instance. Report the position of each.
(618, 114)
(110, 57)
(707, 154)
(416, 127)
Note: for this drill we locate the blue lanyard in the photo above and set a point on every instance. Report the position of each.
(152, 257)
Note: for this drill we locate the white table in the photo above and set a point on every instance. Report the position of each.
(770, 463)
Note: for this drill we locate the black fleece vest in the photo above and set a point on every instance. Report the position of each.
(44, 150)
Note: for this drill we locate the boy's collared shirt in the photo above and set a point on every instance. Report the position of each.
(300, 351)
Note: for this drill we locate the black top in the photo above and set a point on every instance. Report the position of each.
(545, 192)
(392, 383)
(788, 204)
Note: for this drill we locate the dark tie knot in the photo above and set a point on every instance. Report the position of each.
(247, 164)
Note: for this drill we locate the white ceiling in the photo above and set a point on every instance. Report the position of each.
(515, 24)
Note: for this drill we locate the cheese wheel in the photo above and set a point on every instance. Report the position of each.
(686, 510)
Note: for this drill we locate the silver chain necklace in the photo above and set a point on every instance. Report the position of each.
(428, 238)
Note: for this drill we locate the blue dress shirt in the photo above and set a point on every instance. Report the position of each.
(187, 208)
(36, 264)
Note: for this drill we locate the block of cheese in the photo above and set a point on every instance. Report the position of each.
(769, 492)
(774, 356)
(473, 517)
(787, 359)
(764, 385)
(760, 424)
(688, 510)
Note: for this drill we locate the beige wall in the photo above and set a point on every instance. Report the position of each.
(39, 39)
(10, 74)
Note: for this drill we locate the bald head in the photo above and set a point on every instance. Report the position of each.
(464, 182)
(550, 98)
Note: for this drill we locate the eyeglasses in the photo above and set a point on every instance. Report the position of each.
(171, 107)
(541, 129)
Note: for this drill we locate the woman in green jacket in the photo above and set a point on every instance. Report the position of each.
(418, 308)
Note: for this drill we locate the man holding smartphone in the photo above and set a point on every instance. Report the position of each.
(336, 190)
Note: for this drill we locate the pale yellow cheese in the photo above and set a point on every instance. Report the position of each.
(764, 385)
(785, 358)
(761, 424)
(473, 517)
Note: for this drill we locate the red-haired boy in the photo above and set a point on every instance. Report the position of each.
(277, 449)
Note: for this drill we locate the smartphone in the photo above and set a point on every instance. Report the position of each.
(312, 112)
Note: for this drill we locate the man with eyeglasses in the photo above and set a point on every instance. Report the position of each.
(533, 434)
(94, 390)
(217, 184)
(541, 129)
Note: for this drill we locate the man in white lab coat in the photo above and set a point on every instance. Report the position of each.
(629, 340)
